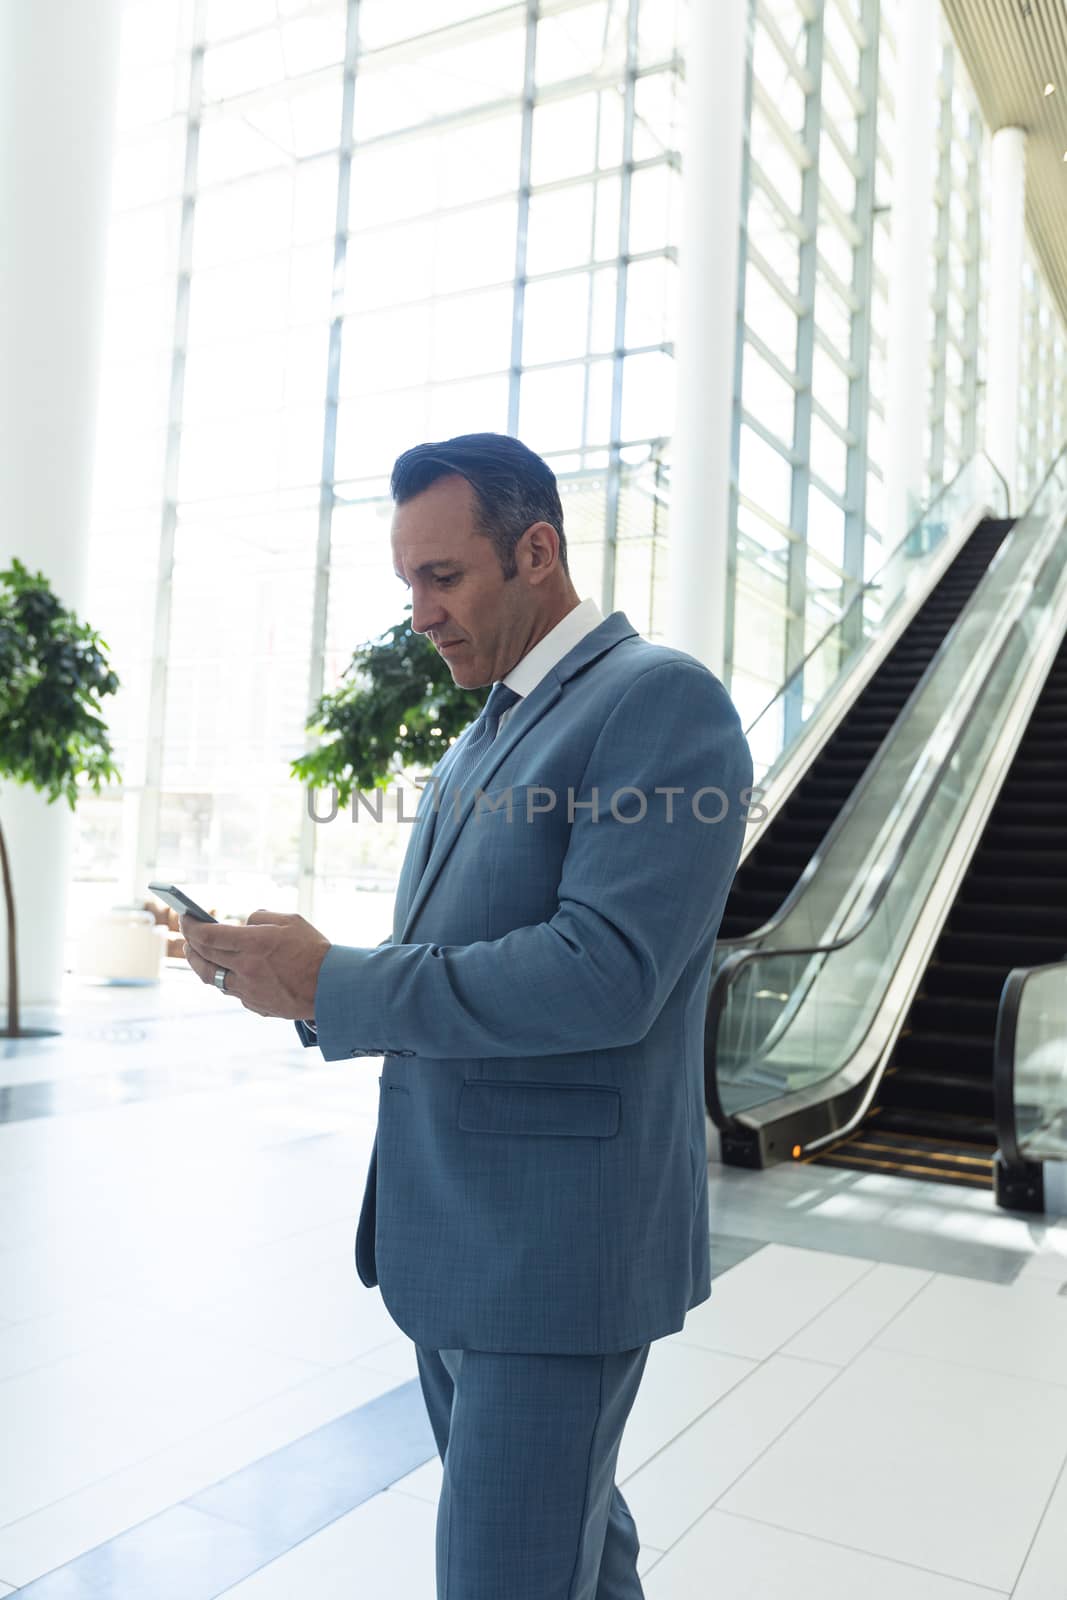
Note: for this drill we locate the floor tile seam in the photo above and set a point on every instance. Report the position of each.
(935, 1277)
(188, 1503)
(733, 1390)
(837, 1374)
(830, 1304)
(878, 1332)
(1059, 1478)
(385, 1488)
(968, 1366)
(378, 1372)
(408, 1494)
(188, 1439)
(691, 1424)
(649, 1548)
(855, 1549)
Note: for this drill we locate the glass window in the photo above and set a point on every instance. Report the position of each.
(765, 476)
(826, 527)
(835, 173)
(404, 93)
(651, 301)
(655, 209)
(555, 319)
(766, 395)
(560, 230)
(773, 238)
(551, 406)
(303, 353)
(828, 455)
(564, 139)
(383, 22)
(580, 41)
(768, 315)
(657, 115)
(647, 396)
(472, 334)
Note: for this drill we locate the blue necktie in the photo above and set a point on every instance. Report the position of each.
(476, 744)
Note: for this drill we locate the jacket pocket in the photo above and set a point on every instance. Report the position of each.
(567, 1110)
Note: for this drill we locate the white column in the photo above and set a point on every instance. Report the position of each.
(911, 232)
(707, 326)
(1004, 309)
(58, 77)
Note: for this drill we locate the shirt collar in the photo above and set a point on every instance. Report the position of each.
(526, 674)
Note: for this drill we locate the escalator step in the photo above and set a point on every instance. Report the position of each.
(1018, 813)
(960, 1014)
(963, 978)
(936, 1126)
(996, 862)
(985, 888)
(1013, 836)
(766, 879)
(940, 1091)
(927, 1056)
(973, 949)
(925, 1170)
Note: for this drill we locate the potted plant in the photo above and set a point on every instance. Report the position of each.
(53, 674)
(397, 706)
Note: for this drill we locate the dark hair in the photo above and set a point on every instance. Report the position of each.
(514, 488)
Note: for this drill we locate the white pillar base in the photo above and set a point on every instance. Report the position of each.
(39, 840)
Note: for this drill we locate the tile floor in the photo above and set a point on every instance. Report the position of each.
(199, 1398)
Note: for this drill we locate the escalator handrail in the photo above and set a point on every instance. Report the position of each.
(875, 582)
(1011, 997)
(822, 848)
(737, 960)
(843, 817)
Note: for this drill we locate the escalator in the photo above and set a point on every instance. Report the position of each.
(858, 1028)
(778, 860)
(933, 1117)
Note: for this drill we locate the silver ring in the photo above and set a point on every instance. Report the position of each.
(221, 974)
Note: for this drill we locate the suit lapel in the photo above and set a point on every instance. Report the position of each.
(427, 863)
(418, 851)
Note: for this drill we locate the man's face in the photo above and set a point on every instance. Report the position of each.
(478, 619)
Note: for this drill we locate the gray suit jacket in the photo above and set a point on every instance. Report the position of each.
(539, 1175)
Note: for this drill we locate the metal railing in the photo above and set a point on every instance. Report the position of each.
(1030, 1065)
(978, 487)
(785, 1024)
(962, 498)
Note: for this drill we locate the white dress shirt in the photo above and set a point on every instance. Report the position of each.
(526, 674)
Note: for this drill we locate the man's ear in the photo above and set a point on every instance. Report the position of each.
(542, 550)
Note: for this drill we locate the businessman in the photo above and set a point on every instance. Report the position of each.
(536, 1209)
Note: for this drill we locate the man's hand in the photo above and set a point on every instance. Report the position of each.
(273, 961)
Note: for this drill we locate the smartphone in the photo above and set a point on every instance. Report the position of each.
(179, 901)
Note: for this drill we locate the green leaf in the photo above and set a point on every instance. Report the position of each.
(396, 681)
(54, 674)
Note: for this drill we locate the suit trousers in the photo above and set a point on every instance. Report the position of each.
(529, 1508)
